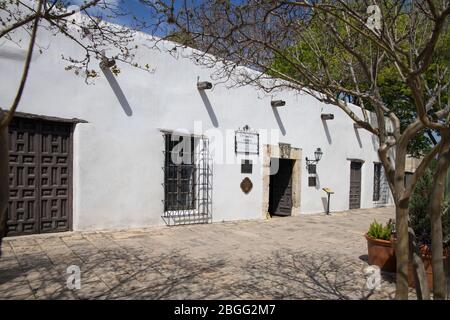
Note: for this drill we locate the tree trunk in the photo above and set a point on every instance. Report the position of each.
(419, 273)
(402, 252)
(447, 186)
(405, 248)
(402, 223)
(435, 212)
(406, 251)
(4, 181)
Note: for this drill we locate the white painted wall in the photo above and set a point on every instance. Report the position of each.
(118, 156)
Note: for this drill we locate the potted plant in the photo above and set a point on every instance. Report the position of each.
(380, 246)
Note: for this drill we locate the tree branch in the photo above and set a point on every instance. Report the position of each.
(7, 119)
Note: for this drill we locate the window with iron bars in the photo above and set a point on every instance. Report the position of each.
(376, 181)
(187, 180)
(179, 175)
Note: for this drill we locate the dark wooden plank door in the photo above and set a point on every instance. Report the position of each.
(280, 202)
(55, 160)
(23, 209)
(355, 185)
(40, 177)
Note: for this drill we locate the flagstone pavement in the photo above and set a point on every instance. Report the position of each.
(302, 257)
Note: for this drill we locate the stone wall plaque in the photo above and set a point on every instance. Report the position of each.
(247, 166)
(246, 185)
(246, 142)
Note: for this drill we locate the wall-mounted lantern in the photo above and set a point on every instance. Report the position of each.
(205, 85)
(327, 116)
(311, 164)
(278, 103)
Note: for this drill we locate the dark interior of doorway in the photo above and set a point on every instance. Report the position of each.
(280, 190)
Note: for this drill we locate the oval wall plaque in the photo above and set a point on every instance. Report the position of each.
(246, 185)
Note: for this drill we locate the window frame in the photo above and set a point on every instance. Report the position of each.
(377, 172)
(175, 198)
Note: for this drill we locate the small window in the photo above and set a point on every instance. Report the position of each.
(312, 181)
(376, 181)
(179, 173)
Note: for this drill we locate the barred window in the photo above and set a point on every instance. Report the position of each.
(179, 173)
(376, 182)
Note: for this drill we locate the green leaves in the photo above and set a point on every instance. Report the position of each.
(418, 209)
(320, 57)
(378, 231)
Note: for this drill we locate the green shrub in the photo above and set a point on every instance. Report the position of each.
(418, 209)
(378, 231)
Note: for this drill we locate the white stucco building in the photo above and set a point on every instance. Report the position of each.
(111, 170)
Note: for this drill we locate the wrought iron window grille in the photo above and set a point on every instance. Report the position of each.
(187, 183)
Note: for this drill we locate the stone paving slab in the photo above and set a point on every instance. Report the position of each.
(302, 257)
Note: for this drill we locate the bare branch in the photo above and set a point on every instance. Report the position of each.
(7, 119)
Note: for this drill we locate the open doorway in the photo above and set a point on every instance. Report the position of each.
(280, 190)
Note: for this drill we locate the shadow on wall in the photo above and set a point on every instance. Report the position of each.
(280, 123)
(375, 143)
(209, 108)
(118, 91)
(358, 137)
(14, 53)
(325, 204)
(327, 131)
(317, 182)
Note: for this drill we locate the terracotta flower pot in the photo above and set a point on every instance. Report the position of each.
(426, 258)
(381, 253)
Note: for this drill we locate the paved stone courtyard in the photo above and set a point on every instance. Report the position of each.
(302, 257)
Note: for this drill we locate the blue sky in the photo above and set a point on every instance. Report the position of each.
(136, 8)
(133, 7)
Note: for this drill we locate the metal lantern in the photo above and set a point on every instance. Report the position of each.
(311, 165)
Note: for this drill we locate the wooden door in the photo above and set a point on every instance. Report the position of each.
(355, 185)
(40, 161)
